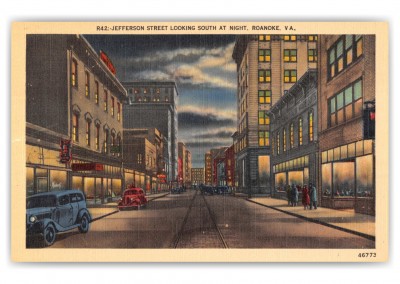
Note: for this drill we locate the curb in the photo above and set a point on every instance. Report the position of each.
(116, 211)
(103, 216)
(313, 220)
(161, 196)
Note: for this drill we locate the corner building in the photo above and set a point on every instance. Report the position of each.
(72, 95)
(346, 86)
(267, 67)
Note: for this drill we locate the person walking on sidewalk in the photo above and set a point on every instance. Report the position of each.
(313, 197)
(288, 194)
(295, 195)
(306, 197)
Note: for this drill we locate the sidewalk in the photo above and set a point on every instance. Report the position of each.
(345, 220)
(99, 211)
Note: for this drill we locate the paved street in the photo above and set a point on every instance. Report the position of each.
(191, 220)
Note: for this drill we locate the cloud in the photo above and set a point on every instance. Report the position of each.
(221, 113)
(198, 66)
(216, 135)
(208, 145)
(195, 120)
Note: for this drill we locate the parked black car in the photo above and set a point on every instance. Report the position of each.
(52, 212)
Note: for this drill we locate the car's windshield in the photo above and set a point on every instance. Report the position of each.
(41, 201)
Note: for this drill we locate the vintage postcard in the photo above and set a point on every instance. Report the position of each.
(200, 142)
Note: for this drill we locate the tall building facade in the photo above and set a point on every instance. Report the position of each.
(73, 118)
(198, 176)
(207, 168)
(294, 137)
(346, 89)
(153, 104)
(184, 165)
(267, 67)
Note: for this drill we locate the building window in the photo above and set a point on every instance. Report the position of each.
(343, 53)
(105, 100)
(284, 140)
(74, 73)
(263, 118)
(346, 104)
(264, 97)
(75, 127)
(97, 137)
(118, 111)
(300, 131)
(278, 145)
(264, 76)
(310, 126)
(112, 106)
(113, 142)
(88, 124)
(264, 37)
(312, 55)
(139, 159)
(289, 38)
(263, 138)
(290, 55)
(106, 141)
(312, 38)
(264, 55)
(291, 135)
(96, 94)
(290, 76)
(87, 84)
(136, 91)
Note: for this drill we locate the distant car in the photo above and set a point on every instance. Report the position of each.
(177, 190)
(223, 189)
(207, 190)
(52, 212)
(132, 198)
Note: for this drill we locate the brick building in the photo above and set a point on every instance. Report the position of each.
(346, 84)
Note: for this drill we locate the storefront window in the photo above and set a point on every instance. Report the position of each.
(280, 182)
(52, 158)
(343, 179)
(295, 177)
(41, 180)
(129, 178)
(30, 187)
(89, 189)
(327, 179)
(116, 187)
(32, 155)
(365, 172)
(306, 176)
(58, 180)
(263, 170)
(98, 194)
(77, 183)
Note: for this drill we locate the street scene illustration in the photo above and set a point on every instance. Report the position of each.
(200, 141)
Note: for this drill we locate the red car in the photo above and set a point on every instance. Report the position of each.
(133, 198)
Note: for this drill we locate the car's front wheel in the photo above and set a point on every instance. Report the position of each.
(49, 235)
(84, 226)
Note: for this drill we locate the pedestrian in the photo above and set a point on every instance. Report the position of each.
(295, 196)
(288, 194)
(306, 197)
(313, 197)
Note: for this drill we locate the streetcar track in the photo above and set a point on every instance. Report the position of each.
(182, 230)
(180, 233)
(221, 237)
